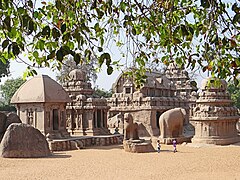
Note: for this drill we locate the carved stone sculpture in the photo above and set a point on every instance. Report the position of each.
(130, 128)
(215, 116)
(131, 142)
(171, 123)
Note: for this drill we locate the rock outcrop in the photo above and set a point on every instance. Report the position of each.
(3, 118)
(6, 120)
(23, 141)
(12, 118)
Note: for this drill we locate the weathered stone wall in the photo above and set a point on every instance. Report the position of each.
(84, 142)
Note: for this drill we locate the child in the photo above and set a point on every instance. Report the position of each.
(158, 146)
(174, 145)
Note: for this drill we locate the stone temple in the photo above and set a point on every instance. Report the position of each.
(215, 117)
(86, 115)
(72, 109)
(41, 103)
(157, 95)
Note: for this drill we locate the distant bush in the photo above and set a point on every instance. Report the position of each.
(8, 108)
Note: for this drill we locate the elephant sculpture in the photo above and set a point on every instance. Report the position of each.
(171, 123)
(130, 128)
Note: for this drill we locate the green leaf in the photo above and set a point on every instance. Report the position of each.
(88, 54)
(59, 55)
(134, 31)
(30, 27)
(35, 54)
(100, 13)
(66, 37)
(15, 49)
(7, 22)
(30, 4)
(46, 31)
(65, 50)
(100, 49)
(63, 28)
(103, 57)
(236, 19)
(205, 3)
(5, 43)
(51, 55)
(235, 8)
(109, 70)
(77, 58)
(55, 33)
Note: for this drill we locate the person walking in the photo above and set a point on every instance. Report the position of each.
(158, 146)
(174, 145)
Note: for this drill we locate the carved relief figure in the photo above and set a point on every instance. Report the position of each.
(130, 128)
(171, 123)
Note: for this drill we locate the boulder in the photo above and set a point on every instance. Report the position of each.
(3, 119)
(23, 141)
(12, 118)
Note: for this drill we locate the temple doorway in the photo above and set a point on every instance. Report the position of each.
(99, 119)
(55, 119)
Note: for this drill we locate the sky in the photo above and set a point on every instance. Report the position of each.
(104, 80)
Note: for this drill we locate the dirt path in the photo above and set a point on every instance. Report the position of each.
(113, 163)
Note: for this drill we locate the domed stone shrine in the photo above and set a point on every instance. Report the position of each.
(214, 116)
(41, 103)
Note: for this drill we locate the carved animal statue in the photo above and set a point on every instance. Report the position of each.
(130, 128)
(171, 123)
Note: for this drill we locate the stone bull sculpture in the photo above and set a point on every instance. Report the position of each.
(171, 123)
(130, 128)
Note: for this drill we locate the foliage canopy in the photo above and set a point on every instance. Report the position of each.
(193, 33)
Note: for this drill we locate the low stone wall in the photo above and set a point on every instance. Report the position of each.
(75, 143)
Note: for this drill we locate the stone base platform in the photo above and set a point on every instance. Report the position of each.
(216, 140)
(137, 146)
(178, 139)
(74, 143)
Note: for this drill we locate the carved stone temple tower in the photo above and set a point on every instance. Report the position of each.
(180, 78)
(86, 115)
(185, 87)
(214, 116)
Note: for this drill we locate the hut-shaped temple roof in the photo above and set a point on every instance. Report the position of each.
(40, 89)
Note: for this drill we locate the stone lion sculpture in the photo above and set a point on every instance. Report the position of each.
(130, 128)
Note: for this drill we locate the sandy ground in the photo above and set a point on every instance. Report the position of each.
(112, 162)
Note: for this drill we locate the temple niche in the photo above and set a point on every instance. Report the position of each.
(86, 115)
(146, 104)
(215, 117)
(41, 103)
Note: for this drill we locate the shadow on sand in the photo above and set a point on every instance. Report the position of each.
(59, 155)
(110, 147)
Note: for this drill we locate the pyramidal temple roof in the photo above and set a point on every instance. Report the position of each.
(40, 89)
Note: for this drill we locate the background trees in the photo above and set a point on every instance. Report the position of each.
(69, 64)
(235, 94)
(9, 88)
(4, 69)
